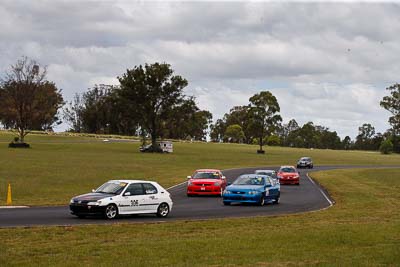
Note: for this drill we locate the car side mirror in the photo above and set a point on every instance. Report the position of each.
(93, 190)
(189, 177)
(127, 194)
(223, 178)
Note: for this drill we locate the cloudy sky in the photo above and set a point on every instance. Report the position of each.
(325, 62)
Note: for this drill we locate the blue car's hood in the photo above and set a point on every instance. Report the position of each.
(244, 187)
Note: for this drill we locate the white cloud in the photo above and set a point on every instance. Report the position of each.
(333, 60)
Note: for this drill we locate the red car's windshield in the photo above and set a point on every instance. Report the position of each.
(206, 175)
(288, 170)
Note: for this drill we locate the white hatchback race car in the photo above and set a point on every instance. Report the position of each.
(120, 197)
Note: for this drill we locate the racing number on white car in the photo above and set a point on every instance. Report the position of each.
(135, 202)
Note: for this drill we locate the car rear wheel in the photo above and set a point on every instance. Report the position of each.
(111, 211)
(163, 210)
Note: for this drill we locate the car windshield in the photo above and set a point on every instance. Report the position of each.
(269, 173)
(305, 159)
(111, 188)
(249, 180)
(288, 170)
(206, 175)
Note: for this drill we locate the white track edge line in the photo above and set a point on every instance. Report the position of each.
(320, 190)
(176, 185)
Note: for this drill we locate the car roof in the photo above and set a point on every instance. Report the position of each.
(130, 181)
(208, 170)
(305, 158)
(265, 171)
(255, 175)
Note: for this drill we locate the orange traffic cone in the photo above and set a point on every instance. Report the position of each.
(9, 200)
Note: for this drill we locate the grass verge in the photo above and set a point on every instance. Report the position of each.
(59, 167)
(362, 229)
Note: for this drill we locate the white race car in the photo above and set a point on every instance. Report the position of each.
(119, 197)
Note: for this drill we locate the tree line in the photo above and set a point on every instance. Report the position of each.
(149, 102)
(237, 126)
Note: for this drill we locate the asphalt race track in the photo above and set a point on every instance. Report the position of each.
(294, 199)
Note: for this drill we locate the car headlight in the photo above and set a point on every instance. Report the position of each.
(253, 192)
(279, 177)
(190, 183)
(94, 203)
(266, 192)
(227, 192)
(71, 201)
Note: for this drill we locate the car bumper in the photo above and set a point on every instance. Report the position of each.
(204, 190)
(86, 210)
(236, 198)
(303, 166)
(289, 181)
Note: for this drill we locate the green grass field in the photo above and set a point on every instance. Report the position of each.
(59, 167)
(362, 229)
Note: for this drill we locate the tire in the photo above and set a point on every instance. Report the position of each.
(262, 201)
(111, 212)
(226, 203)
(277, 200)
(81, 216)
(189, 195)
(163, 210)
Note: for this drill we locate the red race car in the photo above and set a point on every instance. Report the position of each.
(288, 175)
(206, 182)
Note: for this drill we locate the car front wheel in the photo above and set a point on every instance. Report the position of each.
(111, 211)
(277, 200)
(163, 210)
(262, 201)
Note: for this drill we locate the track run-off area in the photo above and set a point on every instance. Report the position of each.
(308, 196)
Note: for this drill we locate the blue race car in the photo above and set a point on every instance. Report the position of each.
(252, 188)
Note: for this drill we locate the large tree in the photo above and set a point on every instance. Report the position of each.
(263, 111)
(392, 104)
(27, 100)
(234, 133)
(151, 92)
(364, 138)
(187, 121)
(99, 110)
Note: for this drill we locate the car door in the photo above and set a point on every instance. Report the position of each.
(274, 189)
(132, 199)
(151, 198)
